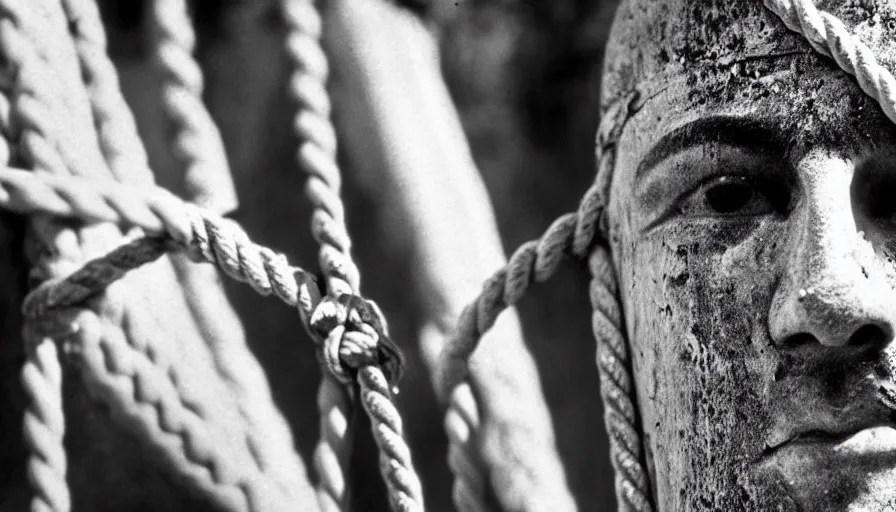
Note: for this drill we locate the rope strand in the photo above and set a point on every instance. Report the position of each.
(114, 123)
(210, 239)
(44, 427)
(197, 144)
(317, 144)
(616, 387)
(829, 36)
(317, 157)
(30, 122)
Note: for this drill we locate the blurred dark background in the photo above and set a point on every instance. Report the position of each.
(525, 77)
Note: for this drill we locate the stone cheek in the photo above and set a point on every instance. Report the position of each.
(696, 302)
(697, 295)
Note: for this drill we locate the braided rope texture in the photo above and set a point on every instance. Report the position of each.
(830, 37)
(316, 156)
(572, 234)
(45, 426)
(148, 397)
(116, 128)
(127, 158)
(144, 390)
(44, 423)
(199, 150)
(532, 262)
(317, 138)
(196, 144)
(616, 386)
(536, 260)
(206, 238)
(33, 111)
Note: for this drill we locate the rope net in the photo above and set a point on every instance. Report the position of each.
(238, 452)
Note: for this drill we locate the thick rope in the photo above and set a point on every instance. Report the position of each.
(830, 37)
(43, 427)
(207, 238)
(364, 346)
(143, 395)
(533, 262)
(461, 424)
(616, 385)
(116, 129)
(317, 157)
(202, 235)
(199, 150)
(317, 138)
(573, 234)
(196, 142)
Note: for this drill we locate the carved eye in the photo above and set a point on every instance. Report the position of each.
(727, 196)
(872, 189)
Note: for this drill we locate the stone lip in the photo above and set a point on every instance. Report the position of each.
(861, 436)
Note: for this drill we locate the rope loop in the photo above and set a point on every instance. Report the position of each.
(351, 333)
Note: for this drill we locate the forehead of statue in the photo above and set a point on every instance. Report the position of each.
(701, 43)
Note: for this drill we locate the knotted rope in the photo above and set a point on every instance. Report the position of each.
(317, 157)
(348, 325)
(269, 434)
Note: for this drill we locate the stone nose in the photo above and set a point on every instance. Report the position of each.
(833, 289)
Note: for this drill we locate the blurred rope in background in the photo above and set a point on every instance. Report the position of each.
(524, 78)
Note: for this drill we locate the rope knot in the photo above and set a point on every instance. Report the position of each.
(352, 333)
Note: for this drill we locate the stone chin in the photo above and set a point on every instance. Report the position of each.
(755, 394)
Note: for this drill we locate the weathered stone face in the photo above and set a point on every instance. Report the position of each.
(753, 228)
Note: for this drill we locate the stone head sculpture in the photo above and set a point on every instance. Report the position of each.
(751, 218)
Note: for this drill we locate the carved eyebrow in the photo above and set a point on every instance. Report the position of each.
(750, 134)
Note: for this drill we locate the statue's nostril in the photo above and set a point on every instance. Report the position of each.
(869, 334)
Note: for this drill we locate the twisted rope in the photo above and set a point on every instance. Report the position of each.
(830, 37)
(202, 235)
(116, 129)
(461, 424)
(572, 234)
(43, 426)
(208, 238)
(197, 144)
(317, 157)
(198, 147)
(317, 139)
(616, 388)
(533, 262)
(354, 328)
(143, 395)
(405, 492)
